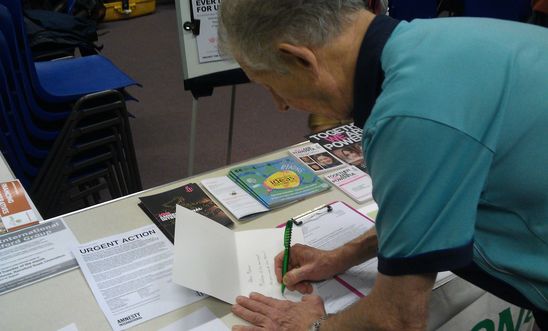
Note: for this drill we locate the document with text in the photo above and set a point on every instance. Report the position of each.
(328, 231)
(130, 276)
(213, 259)
(35, 253)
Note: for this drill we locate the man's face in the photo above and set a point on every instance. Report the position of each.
(299, 92)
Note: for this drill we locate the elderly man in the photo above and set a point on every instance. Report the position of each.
(455, 118)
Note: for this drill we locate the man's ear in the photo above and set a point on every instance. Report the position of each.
(300, 56)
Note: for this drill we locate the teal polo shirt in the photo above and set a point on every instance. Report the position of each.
(456, 143)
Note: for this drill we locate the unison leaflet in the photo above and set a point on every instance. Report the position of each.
(277, 182)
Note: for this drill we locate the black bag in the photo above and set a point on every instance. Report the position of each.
(52, 34)
(90, 9)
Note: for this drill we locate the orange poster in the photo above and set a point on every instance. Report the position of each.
(15, 210)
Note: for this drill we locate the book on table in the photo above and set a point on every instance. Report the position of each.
(317, 158)
(160, 207)
(345, 142)
(278, 182)
(353, 182)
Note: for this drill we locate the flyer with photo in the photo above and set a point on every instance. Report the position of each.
(317, 158)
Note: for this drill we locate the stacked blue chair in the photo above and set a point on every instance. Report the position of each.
(10, 145)
(14, 125)
(56, 112)
(62, 80)
(94, 153)
(69, 143)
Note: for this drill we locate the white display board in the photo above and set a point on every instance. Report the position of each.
(195, 65)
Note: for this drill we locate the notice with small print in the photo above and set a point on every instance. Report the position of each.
(35, 253)
(130, 276)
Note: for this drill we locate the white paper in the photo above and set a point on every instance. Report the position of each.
(327, 231)
(130, 276)
(35, 253)
(361, 277)
(206, 12)
(353, 182)
(200, 320)
(233, 197)
(370, 210)
(224, 263)
(335, 295)
(70, 327)
(5, 172)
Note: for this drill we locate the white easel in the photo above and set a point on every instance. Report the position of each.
(201, 78)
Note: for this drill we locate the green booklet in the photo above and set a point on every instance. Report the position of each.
(278, 182)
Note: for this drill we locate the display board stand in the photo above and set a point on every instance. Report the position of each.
(201, 77)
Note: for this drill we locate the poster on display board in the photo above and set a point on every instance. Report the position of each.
(206, 12)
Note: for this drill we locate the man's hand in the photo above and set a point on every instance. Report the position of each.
(267, 313)
(306, 264)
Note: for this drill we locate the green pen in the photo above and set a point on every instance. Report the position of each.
(287, 245)
(287, 235)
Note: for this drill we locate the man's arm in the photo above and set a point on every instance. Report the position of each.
(396, 303)
(359, 250)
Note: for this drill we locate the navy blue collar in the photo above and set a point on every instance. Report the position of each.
(369, 75)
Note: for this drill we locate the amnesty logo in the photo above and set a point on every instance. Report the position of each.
(129, 319)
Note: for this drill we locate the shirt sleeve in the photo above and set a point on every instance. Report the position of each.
(427, 180)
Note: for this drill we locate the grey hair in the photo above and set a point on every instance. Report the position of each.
(250, 29)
